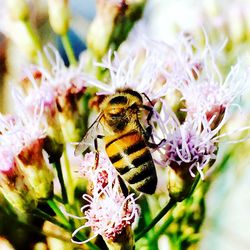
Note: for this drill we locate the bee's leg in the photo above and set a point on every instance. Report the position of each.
(149, 128)
(96, 149)
(123, 186)
(156, 145)
(148, 131)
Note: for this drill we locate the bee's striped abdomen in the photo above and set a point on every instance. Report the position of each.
(132, 159)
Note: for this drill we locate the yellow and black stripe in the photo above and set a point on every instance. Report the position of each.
(132, 159)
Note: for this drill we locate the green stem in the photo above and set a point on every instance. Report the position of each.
(92, 246)
(162, 213)
(163, 228)
(58, 199)
(57, 211)
(39, 232)
(80, 236)
(146, 218)
(85, 110)
(196, 180)
(175, 243)
(58, 167)
(39, 213)
(33, 229)
(32, 35)
(68, 49)
(169, 205)
(35, 44)
(70, 183)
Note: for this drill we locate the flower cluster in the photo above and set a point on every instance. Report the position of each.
(58, 91)
(207, 99)
(114, 18)
(190, 143)
(25, 176)
(141, 69)
(163, 108)
(201, 95)
(108, 212)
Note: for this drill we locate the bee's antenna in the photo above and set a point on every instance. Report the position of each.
(148, 99)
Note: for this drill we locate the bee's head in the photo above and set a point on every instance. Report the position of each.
(121, 109)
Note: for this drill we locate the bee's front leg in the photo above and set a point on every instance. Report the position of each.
(96, 149)
(149, 129)
(156, 145)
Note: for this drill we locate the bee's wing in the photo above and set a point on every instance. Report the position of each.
(88, 138)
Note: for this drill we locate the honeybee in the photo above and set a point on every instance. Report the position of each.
(126, 141)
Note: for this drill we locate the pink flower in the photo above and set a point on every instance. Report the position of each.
(108, 211)
(21, 145)
(57, 90)
(211, 96)
(140, 68)
(191, 144)
(8, 162)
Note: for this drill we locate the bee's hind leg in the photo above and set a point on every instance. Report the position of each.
(96, 149)
(123, 186)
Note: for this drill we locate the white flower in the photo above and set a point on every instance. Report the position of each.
(8, 161)
(141, 69)
(210, 94)
(149, 66)
(63, 79)
(19, 132)
(108, 211)
(21, 149)
(190, 144)
(57, 91)
(99, 176)
(194, 143)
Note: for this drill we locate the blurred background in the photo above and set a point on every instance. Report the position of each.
(227, 223)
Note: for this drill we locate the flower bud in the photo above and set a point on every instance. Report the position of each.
(14, 185)
(179, 181)
(70, 118)
(188, 218)
(43, 98)
(71, 128)
(25, 37)
(112, 24)
(15, 24)
(18, 9)
(5, 244)
(53, 148)
(124, 241)
(59, 16)
(54, 140)
(34, 167)
(55, 242)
